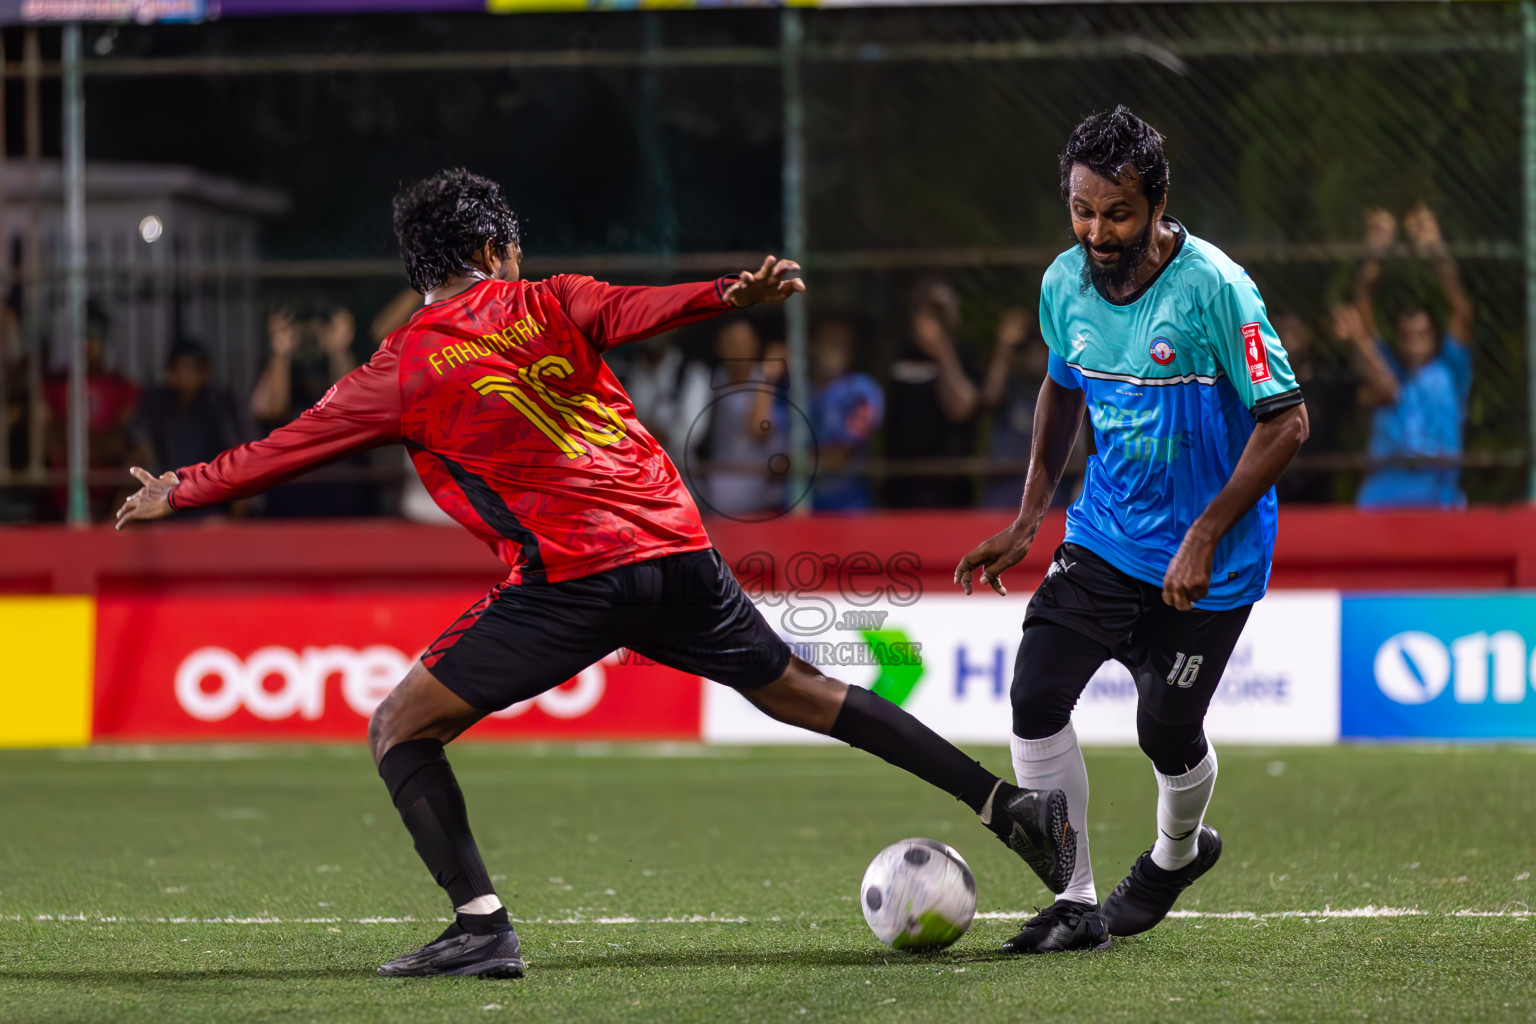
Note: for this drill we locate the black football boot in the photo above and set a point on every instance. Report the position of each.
(1033, 824)
(1060, 927)
(457, 953)
(1149, 892)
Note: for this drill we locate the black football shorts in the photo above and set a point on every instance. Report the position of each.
(1176, 658)
(686, 611)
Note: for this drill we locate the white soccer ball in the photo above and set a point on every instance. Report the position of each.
(918, 894)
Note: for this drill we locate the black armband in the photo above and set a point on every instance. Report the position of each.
(1265, 408)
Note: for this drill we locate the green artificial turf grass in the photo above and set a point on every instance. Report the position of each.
(771, 845)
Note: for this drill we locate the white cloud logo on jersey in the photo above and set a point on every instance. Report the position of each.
(1162, 351)
(1258, 356)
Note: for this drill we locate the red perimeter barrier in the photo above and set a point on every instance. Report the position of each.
(296, 667)
(1324, 548)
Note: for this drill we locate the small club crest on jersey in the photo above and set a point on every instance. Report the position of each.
(1257, 355)
(1162, 351)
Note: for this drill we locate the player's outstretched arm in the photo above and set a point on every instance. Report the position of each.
(1271, 447)
(151, 501)
(772, 282)
(612, 315)
(361, 411)
(1058, 416)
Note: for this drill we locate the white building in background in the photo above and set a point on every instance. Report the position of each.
(165, 245)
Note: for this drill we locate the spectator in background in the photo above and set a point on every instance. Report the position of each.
(846, 410)
(671, 395)
(747, 424)
(111, 401)
(310, 348)
(933, 401)
(16, 504)
(1330, 403)
(1008, 391)
(395, 314)
(186, 420)
(1418, 386)
(13, 397)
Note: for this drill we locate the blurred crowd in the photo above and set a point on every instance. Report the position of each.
(935, 412)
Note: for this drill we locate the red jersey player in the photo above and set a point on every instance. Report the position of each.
(498, 389)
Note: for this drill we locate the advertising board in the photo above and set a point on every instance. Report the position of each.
(46, 688)
(1448, 666)
(315, 667)
(949, 661)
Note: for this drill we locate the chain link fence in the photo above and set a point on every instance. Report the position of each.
(646, 147)
(932, 141)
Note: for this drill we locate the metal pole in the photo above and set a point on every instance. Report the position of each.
(662, 229)
(8, 341)
(796, 319)
(1528, 144)
(32, 320)
(75, 298)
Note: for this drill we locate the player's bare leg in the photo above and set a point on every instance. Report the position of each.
(1033, 823)
(419, 708)
(407, 734)
(802, 697)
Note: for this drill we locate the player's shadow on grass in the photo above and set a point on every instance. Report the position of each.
(806, 958)
(576, 961)
(190, 974)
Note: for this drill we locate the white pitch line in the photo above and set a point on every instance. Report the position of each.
(1326, 912)
(990, 915)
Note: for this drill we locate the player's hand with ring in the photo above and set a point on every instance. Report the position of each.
(995, 556)
(769, 283)
(1188, 578)
(152, 501)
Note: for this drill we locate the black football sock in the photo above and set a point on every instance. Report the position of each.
(481, 924)
(876, 725)
(422, 785)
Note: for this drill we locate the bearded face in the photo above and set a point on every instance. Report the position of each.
(1113, 222)
(1112, 268)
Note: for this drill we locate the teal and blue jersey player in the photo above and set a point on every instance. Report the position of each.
(1173, 382)
(1161, 343)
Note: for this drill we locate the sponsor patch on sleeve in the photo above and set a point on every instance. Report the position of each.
(1256, 354)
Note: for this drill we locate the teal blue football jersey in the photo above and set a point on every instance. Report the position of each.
(1174, 380)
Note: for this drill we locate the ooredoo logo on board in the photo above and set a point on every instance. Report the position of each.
(317, 667)
(213, 683)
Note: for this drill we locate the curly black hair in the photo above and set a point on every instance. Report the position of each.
(443, 220)
(1112, 142)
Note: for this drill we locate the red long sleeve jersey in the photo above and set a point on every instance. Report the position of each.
(518, 428)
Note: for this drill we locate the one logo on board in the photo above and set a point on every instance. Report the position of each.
(1162, 351)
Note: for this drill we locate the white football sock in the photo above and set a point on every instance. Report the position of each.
(480, 905)
(1181, 803)
(1056, 762)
